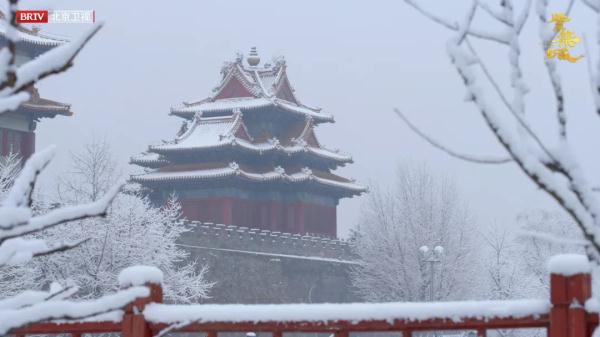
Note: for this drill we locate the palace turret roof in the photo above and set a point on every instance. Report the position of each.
(247, 103)
(254, 120)
(213, 132)
(252, 87)
(234, 171)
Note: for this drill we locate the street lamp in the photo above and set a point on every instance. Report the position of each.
(432, 257)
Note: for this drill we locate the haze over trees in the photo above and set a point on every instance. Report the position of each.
(133, 232)
(418, 209)
(550, 162)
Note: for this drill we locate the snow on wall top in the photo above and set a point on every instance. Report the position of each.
(140, 275)
(265, 241)
(163, 313)
(569, 264)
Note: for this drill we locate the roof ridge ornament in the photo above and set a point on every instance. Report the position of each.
(279, 170)
(253, 59)
(235, 167)
(300, 142)
(273, 141)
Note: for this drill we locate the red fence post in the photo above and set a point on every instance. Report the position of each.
(570, 288)
(134, 324)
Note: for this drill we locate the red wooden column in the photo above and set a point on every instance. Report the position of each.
(570, 288)
(134, 324)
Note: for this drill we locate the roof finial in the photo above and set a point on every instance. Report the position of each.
(253, 59)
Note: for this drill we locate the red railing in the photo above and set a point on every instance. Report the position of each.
(563, 316)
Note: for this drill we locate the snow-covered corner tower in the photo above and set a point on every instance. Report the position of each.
(248, 155)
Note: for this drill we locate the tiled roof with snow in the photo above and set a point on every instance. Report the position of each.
(43, 107)
(233, 170)
(248, 103)
(149, 160)
(212, 132)
(262, 83)
(34, 37)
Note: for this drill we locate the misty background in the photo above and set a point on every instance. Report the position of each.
(355, 59)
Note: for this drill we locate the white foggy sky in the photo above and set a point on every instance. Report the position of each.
(355, 59)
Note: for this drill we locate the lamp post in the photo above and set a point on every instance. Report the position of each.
(432, 257)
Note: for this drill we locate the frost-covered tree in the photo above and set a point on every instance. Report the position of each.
(515, 261)
(549, 162)
(542, 235)
(133, 232)
(420, 209)
(17, 220)
(10, 166)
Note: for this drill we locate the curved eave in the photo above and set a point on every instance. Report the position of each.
(248, 105)
(149, 163)
(33, 41)
(199, 177)
(45, 111)
(258, 149)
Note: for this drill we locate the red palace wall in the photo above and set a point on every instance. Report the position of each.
(15, 141)
(297, 217)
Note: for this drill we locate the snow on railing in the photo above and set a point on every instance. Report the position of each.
(564, 315)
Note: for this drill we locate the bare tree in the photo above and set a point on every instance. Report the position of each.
(421, 209)
(551, 166)
(93, 171)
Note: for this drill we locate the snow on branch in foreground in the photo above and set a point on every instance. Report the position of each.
(16, 221)
(453, 153)
(16, 218)
(15, 79)
(454, 26)
(555, 170)
(70, 310)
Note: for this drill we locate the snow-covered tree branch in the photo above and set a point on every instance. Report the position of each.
(550, 165)
(17, 219)
(16, 248)
(133, 232)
